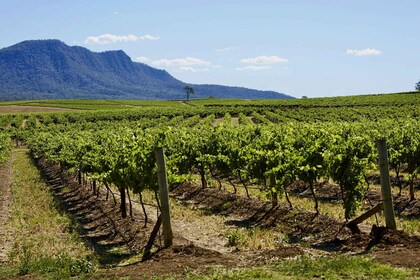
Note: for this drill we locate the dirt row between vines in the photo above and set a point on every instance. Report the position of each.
(6, 179)
(303, 227)
(101, 224)
(331, 193)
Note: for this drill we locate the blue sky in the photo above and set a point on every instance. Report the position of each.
(313, 48)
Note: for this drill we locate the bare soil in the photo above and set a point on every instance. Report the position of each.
(185, 103)
(196, 247)
(217, 121)
(320, 232)
(15, 109)
(254, 212)
(102, 226)
(328, 192)
(6, 175)
(99, 220)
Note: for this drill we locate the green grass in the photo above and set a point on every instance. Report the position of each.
(410, 98)
(46, 242)
(56, 267)
(341, 267)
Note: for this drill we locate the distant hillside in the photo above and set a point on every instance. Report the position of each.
(49, 69)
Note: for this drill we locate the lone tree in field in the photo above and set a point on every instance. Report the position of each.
(418, 86)
(189, 91)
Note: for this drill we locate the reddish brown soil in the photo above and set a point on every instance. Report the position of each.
(254, 212)
(176, 260)
(396, 248)
(102, 226)
(320, 232)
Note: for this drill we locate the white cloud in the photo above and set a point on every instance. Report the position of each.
(187, 61)
(192, 69)
(110, 38)
(264, 59)
(149, 37)
(254, 68)
(227, 49)
(142, 59)
(365, 52)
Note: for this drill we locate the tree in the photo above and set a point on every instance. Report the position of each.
(189, 91)
(418, 86)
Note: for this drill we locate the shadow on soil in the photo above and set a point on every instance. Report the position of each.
(317, 231)
(96, 220)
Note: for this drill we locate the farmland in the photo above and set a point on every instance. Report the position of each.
(259, 189)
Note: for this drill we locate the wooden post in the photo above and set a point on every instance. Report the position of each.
(386, 185)
(164, 197)
(352, 225)
(274, 197)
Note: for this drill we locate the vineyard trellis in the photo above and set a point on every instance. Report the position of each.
(270, 147)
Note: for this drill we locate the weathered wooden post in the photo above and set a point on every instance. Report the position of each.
(164, 197)
(273, 192)
(386, 185)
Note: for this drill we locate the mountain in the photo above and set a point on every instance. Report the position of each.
(50, 69)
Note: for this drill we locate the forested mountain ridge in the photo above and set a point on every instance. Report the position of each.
(50, 69)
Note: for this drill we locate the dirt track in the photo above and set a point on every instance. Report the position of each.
(16, 109)
(6, 175)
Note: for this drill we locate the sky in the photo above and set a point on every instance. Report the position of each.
(313, 48)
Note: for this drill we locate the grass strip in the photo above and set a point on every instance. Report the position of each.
(339, 267)
(46, 242)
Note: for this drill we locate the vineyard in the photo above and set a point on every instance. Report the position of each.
(298, 169)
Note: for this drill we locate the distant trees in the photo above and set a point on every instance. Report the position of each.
(418, 86)
(189, 91)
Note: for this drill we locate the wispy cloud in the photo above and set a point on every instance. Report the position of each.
(142, 59)
(185, 64)
(187, 61)
(110, 38)
(364, 52)
(149, 37)
(227, 49)
(260, 63)
(192, 69)
(254, 68)
(264, 59)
